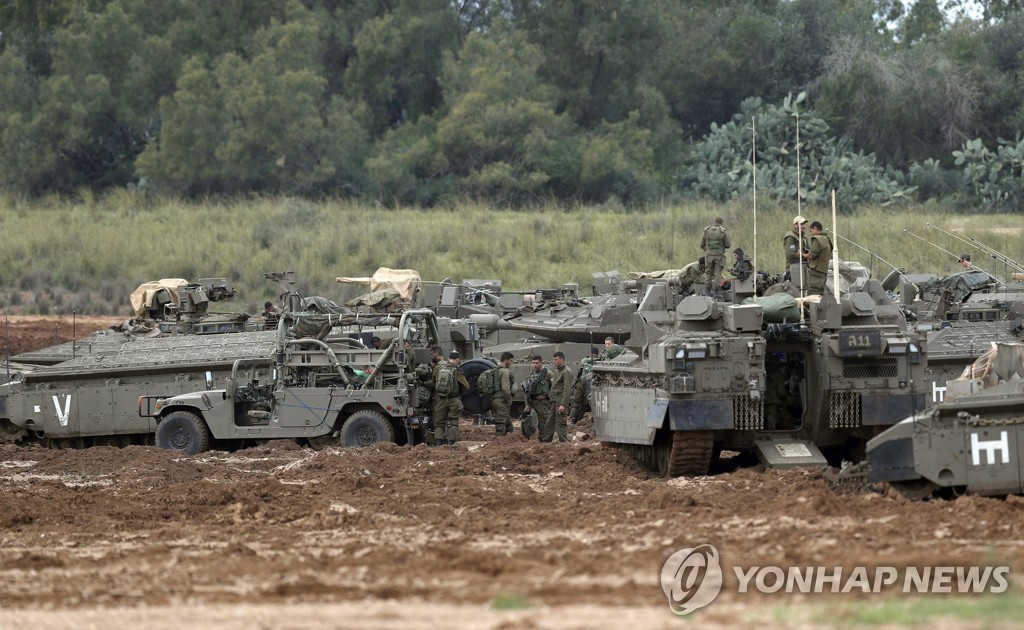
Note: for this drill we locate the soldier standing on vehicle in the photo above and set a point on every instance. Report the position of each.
(449, 384)
(714, 243)
(501, 402)
(611, 350)
(561, 388)
(965, 262)
(537, 390)
(692, 274)
(579, 386)
(795, 241)
(819, 255)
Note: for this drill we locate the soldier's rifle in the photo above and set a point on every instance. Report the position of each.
(985, 249)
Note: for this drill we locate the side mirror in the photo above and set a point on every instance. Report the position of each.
(209, 380)
(229, 388)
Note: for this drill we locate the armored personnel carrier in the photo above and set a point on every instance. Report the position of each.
(94, 398)
(968, 443)
(706, 376)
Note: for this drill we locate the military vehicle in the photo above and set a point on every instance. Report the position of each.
(307, 389)
(701, 376)
(94, 398)
(969, 443)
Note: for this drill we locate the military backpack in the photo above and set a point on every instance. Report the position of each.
(488, 383)
(444, 383)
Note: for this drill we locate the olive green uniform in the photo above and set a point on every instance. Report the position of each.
(817, 272)
(743, 269)
(501, 403)
(559, 396)
(794, 244)
(448, 409)
(691, 274)
(610, 353)
(579, 389)
(537, 397)
(714, 242)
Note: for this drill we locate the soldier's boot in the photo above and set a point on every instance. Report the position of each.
(499, 429)
(453, 435)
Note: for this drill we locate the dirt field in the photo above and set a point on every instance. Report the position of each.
(490, 533)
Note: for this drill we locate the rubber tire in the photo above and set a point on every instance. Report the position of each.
(365, 428)
(183, 431)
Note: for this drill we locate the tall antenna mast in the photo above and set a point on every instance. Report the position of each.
(797, 114)
(753, 166)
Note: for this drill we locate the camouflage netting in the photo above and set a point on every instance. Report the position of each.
(142, 298)
(958, 285)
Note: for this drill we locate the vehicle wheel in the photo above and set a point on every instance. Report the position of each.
(183, 431)
(915, 489)
(364, 428)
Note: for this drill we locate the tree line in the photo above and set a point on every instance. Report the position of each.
(515, 101)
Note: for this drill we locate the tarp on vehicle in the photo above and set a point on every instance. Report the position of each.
(405, 281)
(142, 298)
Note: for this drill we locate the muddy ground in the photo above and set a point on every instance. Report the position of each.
(491, 533)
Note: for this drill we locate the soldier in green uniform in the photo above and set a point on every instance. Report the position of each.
(714, 243)
(819, 255)
(501, 402)
(742, 268)
(795, 242)
(579, 386)
(692, 274)
(558, 396)
(448, 383)
(537, 390)
(611, 350)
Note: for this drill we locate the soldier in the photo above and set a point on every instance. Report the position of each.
(449, 383)
(714, 243)
(692, 274)
(559, 395)
(611, 350)
(742, 268)
(794, 242)
(819, 255)
(501, 402)
(537, 390)
(579, 386)
(965, 262)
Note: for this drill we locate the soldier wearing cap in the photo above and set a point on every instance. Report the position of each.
(819, 254)
(965, 262)
(714, 242)
(794, 242)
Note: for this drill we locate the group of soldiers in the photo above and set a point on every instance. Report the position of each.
(715, 241)
(553, 394)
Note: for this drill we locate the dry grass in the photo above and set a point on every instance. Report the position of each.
(88, 254)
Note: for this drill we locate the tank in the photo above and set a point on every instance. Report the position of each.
(707, 376)
(968, 443)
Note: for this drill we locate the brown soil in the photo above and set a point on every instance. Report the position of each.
(562, 535)
(22, 333)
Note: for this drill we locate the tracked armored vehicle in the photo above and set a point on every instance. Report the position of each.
(94, 399)
(971, 442)
(706, 376)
